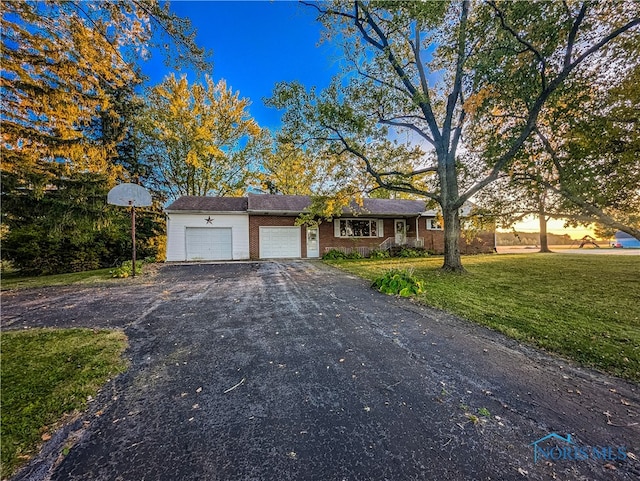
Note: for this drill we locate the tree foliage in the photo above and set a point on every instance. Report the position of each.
(60, 60)
(288, 170)
(439, 71)
(596, 157)
(67, 103)
(582, 158)
(66, 225)
(199, 139)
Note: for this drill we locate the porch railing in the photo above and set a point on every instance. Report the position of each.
(387, 244)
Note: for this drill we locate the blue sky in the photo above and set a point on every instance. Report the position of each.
(256, 44)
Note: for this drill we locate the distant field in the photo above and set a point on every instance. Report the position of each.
(585, 307)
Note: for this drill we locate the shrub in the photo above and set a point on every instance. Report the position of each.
(334, 254)
(378, 254)
(126, 269)
(399, 282)
(354, 255)
(407, 252)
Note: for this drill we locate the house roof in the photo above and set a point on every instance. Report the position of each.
(194, 203)
(386, 207)
(278, 203)
(292, 204)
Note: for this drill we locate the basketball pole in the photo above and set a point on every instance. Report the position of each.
(130, 195)
(133, 239)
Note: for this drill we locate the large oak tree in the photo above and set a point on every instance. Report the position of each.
(435, 70)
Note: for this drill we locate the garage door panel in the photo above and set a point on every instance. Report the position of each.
(279, 242)
(209, 243)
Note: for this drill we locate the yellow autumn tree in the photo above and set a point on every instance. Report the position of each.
(199, 139)
(289, 170)
(60, 60)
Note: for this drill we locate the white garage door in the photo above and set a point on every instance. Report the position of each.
(209, 244)
(279, 242)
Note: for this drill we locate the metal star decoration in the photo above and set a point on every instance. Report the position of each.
(209, 220)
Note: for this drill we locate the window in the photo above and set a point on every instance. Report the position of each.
(433, 224)
(358, 228)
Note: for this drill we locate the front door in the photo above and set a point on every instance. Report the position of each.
(401, 231)
(313, 246)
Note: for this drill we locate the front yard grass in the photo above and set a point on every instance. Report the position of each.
(47, 375)
(586, 308)
(13, 281)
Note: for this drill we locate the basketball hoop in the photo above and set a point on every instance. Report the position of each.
(130, 195)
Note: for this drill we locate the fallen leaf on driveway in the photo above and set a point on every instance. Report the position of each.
(523, 472)
(199, 389)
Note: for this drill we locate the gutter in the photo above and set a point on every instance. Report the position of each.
(209, 211)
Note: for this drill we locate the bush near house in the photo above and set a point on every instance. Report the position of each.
(400, 282)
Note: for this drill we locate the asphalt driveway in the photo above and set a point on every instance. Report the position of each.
(298, 371)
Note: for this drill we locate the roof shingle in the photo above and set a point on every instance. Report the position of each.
(278, 203)
(209, 204)
(291, 204)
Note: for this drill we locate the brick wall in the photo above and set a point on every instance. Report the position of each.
(433, 239)
(483, 243)
(255, 221)
(327, 238)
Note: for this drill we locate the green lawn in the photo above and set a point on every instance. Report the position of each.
(583, 307)
(12, 281)
(46, 375)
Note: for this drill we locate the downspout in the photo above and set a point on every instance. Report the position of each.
(417, 231)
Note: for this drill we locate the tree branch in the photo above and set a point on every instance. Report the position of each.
(595, 214)
(453, 97)
(573, 33)
(422, 100)
(529, 46)
(410, 126)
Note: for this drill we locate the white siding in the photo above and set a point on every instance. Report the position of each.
(177, 232)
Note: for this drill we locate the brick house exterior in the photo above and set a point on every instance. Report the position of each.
(262, 226)
(257, 221)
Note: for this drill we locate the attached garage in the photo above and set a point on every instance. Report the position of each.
(280, 242)
(209, 243)
(207, 229)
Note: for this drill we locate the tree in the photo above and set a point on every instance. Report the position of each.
(66, 94)
(595, 155)
(584, 159)
(288, 170)
(438, 70)
(59, 61)
(67, 226)
(199, 139)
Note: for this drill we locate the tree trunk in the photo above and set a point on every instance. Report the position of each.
(544, 242)
(452, 260)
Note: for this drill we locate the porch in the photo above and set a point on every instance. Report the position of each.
(387, 245)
